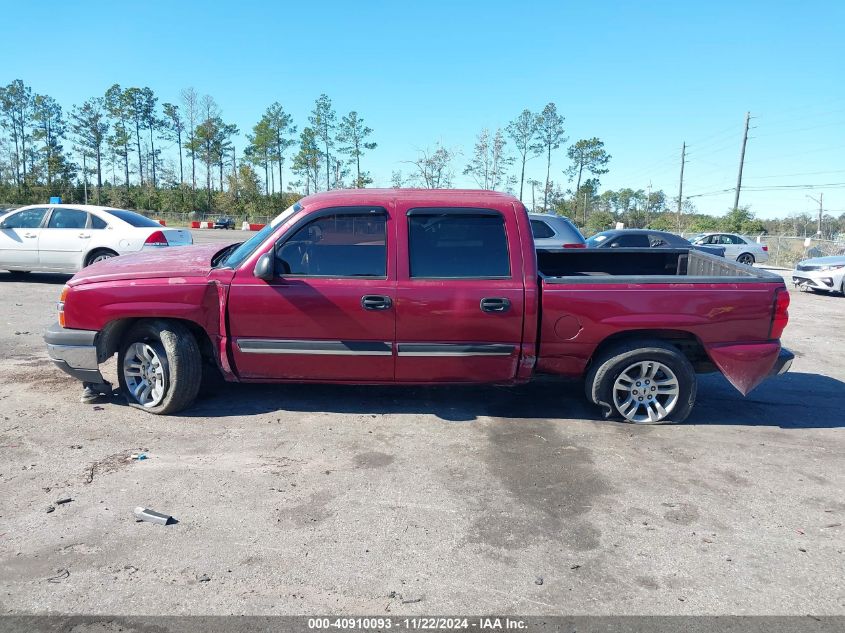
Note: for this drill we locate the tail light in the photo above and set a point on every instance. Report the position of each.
(60, 306)
(765, 248)
(156, 238)
(780, 315)
(575, 245)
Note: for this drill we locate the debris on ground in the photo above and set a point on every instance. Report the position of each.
(151, 516)
(63, 500)
(61, 574)
(538, 580)
(50, 509)
(138, 456)
(203, 578)
(575, 567)
(412, 599)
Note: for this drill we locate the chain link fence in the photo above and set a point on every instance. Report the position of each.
(179, 218)
(786, 251)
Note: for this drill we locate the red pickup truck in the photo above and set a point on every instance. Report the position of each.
(421, 287)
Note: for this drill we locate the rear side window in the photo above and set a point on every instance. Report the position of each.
(28, 219)
(541, 230)
(67, 219)
(637, 240)
(341, 245)
(132, 218)
(97, 222)
(657, 241)
(446, 244)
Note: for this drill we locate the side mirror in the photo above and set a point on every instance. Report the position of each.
(264, 267)
(3, 225)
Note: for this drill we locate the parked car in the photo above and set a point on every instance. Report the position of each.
(743, 249)
(421, 287)
(646, 238)
(821, 273)
(224, 222)
(68, 237)
(555, 231)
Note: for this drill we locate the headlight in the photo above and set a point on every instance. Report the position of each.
(832, 267)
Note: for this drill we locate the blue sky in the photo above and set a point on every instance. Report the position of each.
(642, 76)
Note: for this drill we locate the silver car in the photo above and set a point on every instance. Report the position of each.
(739, 247)
(555, 231)
(821, 273)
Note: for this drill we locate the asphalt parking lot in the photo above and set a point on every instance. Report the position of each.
(364, 500)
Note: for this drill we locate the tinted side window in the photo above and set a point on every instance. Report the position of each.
(657, 241)
(457, 245)
(29, 219)
(67, 219)
(541, 229)
(631, 241)
(342, 245)
(97, 222)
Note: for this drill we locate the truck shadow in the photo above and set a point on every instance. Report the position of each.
(792, 401)
(35, 278)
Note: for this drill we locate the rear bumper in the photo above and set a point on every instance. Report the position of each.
(783, 362)
(74, 352)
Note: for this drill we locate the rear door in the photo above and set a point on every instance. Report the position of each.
(459, 297)
(19, 239)
(329, 312)
(64, 239)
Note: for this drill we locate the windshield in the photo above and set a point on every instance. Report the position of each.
(243, 251)
(130, 217)
(597, 239)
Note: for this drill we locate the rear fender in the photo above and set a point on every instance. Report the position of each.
(745, 365)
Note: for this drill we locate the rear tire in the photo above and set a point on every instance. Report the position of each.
(642, 382)
(99, 256)
(746, 258)
(159, 367)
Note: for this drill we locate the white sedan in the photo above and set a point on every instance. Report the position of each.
(821, 273)
(742, 249)
(67, 237)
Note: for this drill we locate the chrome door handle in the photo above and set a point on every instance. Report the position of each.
(376, 302)
(29, 235)
(495, 304)
(85, 235)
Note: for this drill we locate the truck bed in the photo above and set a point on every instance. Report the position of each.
(698, 300)
(637, 265)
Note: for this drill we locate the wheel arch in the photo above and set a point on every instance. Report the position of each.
(686, 342)
(109, 338)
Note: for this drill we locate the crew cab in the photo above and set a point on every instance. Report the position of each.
(421, 287)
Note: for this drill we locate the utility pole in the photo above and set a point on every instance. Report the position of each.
(85, 177)
(741, 160)
(821, 207)
(647, 203)
(681, 186)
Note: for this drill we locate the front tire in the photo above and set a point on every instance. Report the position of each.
(643, 382)
(159, 367)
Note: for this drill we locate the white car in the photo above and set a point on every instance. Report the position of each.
(67, 237)
(821, 273)
(743, 249)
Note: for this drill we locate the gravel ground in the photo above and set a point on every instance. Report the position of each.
(314, 499)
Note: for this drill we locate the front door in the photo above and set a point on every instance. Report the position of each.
(329, 313)
(19, 239)
(64, 240)
(460, 296)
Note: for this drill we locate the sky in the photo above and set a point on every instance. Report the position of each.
(642, 76)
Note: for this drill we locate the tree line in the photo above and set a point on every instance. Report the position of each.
(124, 148)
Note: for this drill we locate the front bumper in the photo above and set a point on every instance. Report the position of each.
(816, 279)
(74, 352)
(783, 362)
